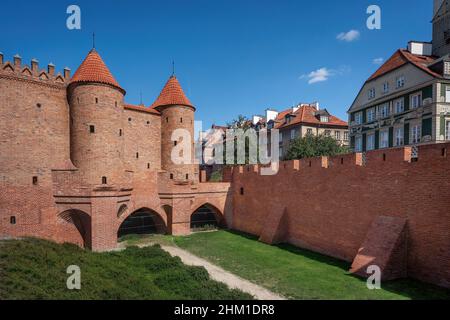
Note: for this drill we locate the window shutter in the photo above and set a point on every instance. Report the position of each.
(391, 137)
(377, 139)
(442, 126)
(406, 100)
(426, 127)
(352, 142)
(406, 134)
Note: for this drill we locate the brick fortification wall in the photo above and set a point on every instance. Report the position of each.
(386, 210)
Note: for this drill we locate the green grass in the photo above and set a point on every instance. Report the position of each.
(36, 269)
(296, 273)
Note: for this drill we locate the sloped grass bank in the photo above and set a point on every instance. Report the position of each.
(296, 273)
(36, 269)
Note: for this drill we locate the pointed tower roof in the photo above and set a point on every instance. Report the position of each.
(94, 69)
(172, 94)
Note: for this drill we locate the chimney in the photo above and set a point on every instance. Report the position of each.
(34, 66)
(51, 69)
(17, 61)
(1, 57)
(66, 73)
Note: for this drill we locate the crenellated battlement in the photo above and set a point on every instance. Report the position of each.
(384, 159)
(16, 70)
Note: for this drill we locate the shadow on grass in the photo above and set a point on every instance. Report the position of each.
(410, 288)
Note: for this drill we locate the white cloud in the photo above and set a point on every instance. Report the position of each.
(378, 61)
(350, 36)
(323, 74)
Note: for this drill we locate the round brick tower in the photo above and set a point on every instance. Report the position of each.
(96, 115)
(177, 112)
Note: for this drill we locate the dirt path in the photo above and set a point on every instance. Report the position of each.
(220, 274)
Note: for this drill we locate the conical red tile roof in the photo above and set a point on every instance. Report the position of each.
(172, 94)
(93, 69)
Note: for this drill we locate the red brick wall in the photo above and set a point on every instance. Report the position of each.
(331, 204)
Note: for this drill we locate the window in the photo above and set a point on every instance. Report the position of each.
(35, 180)
(281, 136)
(181, 120)
(447, 130)
(242, 191)
(167, 120)
(120, 132)
(371, 93)
(399, 105)
(345, 135)
(337, 135)
(115, 104)
(384, 139)
(400, 82)
(104, 180)
(309, 131)
(324, 119)
(39, 105)
(370, 115)
(384, 110)
(415, 133)
(129, 119)
(92, 129)
(358, 144)
(148, 165)
(175, 143)
(137, 155)
(12, 220)
(148, 122)
(386, 87)
(370, 142)
(96, 100)
(399, 136)
(416, 100)
(327, 133)
(171, 176)
(187, 177)
(358, 118)
(292, 134)
(447, 94)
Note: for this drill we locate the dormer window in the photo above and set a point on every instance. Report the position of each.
(371, 93)
(324, 118)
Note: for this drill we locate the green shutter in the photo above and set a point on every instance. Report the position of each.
(427, 92)
(364, 142)
(377, 139)
(391, 137)
(443, 89)
(426, 127)
(442, 127)
(406, 134)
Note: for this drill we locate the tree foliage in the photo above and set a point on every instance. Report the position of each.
(314, 146)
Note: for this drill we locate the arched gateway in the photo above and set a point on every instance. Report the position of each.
(206, 216)
(142, 221)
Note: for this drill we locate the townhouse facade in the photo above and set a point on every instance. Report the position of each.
(300, 121)
(407, 100)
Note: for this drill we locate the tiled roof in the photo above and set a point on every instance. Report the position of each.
(93, 69)
(402, 57)
(172, 94)
(306, 115)
(141, 108)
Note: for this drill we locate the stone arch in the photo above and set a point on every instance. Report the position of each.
(207, 214)
(74, 226)
(142, 221)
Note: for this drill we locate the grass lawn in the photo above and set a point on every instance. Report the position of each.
(296, 273)
(36, 269)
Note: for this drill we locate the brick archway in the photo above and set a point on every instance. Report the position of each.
(207, 215)
(142, 221)
(74, 226)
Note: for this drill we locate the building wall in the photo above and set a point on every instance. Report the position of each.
(142, 138)
(337, 199)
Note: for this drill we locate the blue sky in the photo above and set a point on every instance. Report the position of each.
(232, 57)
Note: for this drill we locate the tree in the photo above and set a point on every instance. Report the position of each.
(314, 146)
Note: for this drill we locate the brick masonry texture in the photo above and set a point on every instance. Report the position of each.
(340, 207)
(59, 139)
